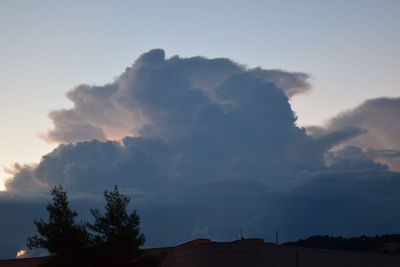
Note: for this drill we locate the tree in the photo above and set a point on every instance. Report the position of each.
(61, 233)
(117, 235)
(115, 242)
(116, 228)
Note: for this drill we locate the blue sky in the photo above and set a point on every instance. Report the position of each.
(350, 48)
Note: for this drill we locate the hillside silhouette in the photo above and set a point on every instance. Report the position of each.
(389, 244)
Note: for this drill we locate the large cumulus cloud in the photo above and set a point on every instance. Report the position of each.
(158, 92)
(192, 118)
(207, 147)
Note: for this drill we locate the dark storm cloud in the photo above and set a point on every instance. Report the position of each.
(17, 213)
(339, 202)
(207, 147)
(326, 202)
(343, 202)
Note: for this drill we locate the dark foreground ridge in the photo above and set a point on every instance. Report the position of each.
(389, 244)
(252, 252)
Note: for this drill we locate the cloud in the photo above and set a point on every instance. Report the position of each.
(17, 213)
(24, 179)
(208, 147)
(339, 202)
(179, 115)
(378, 119)
(155, 90)
(343, 202)
(71, 127)
(292, 83)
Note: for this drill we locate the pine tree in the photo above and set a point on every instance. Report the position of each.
(116, 228)
(61, 233)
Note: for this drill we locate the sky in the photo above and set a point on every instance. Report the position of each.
(348, 47)
(340, 58)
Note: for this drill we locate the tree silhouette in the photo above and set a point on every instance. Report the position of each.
(117, 231)
(114, 241)
(61, 233)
